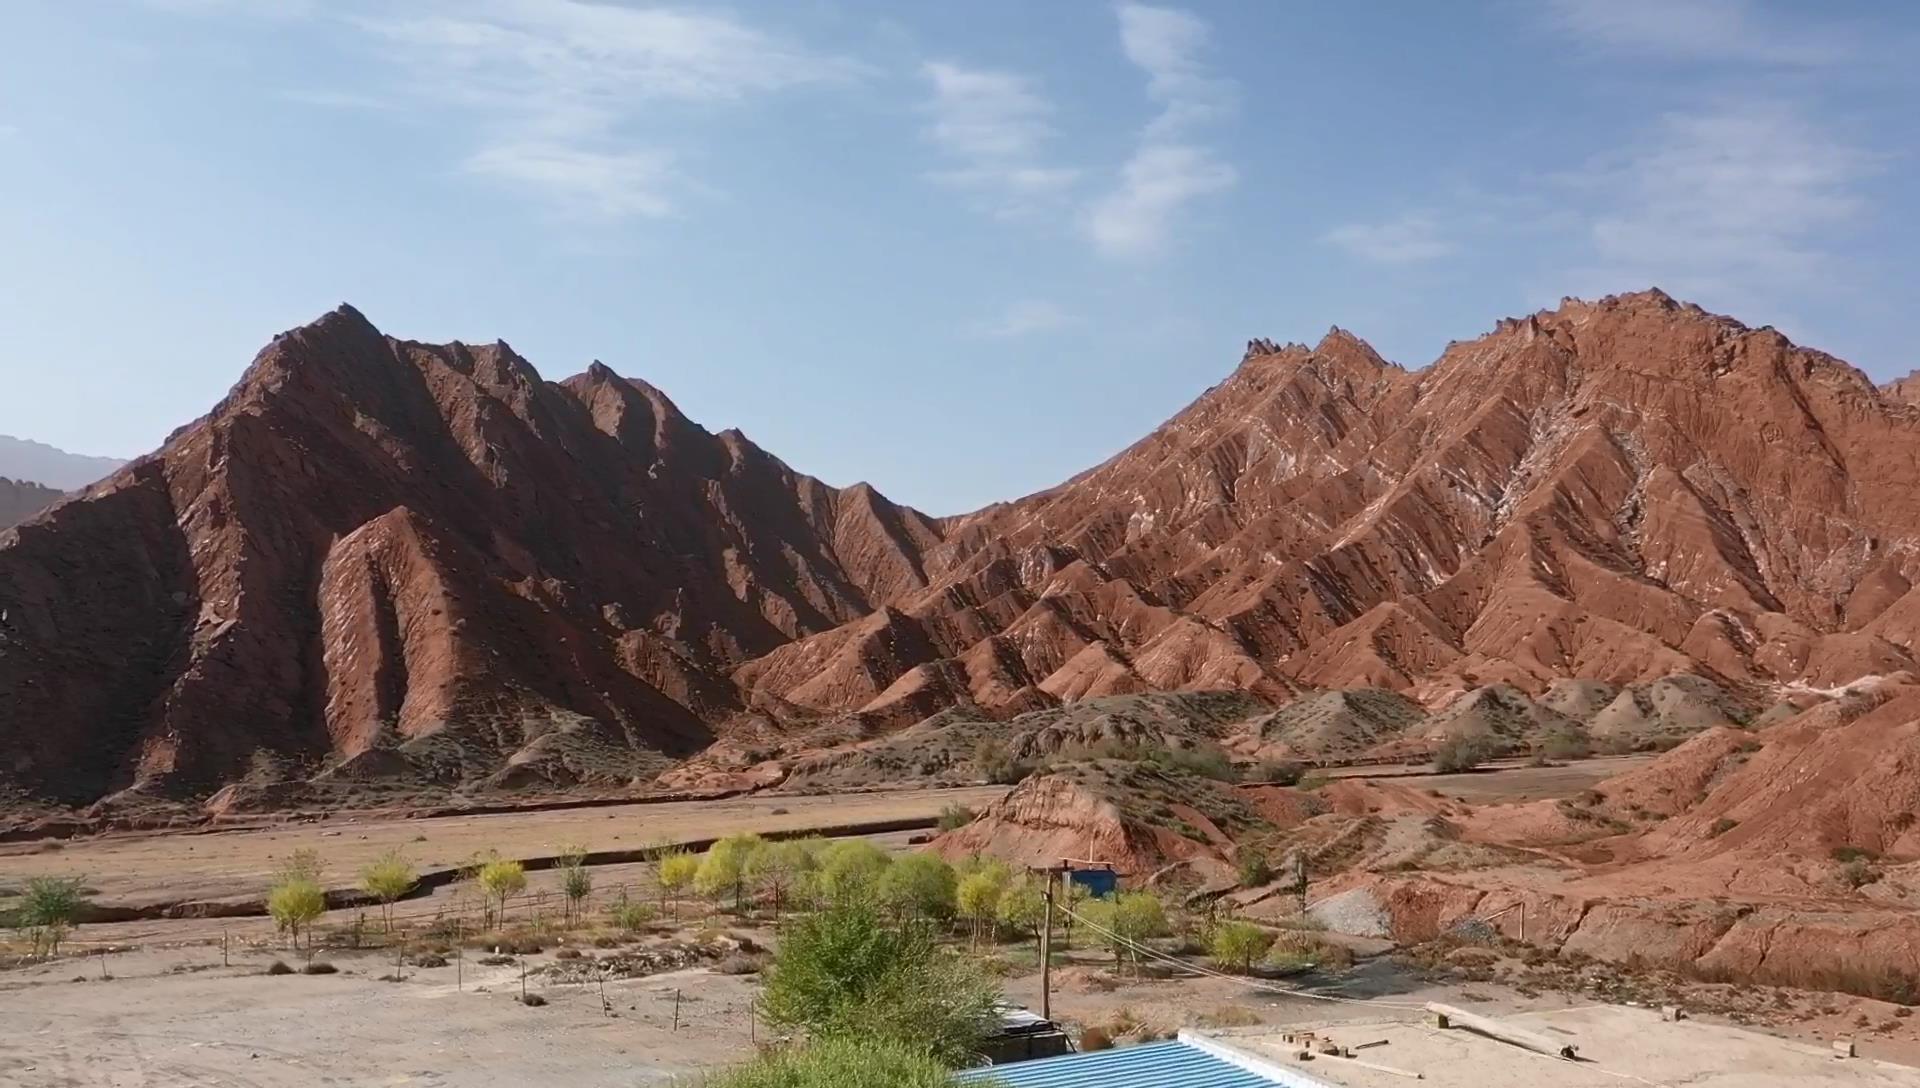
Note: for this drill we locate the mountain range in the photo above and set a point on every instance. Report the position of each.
(424, 566)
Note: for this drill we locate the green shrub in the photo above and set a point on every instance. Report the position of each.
(1236, 945)
(500, 879)
(997, 766)
(955, 817)
(294, 903)
(629, 916)
(845, 973)
(1458, 754)
(49, 906)
(919, 885)
(849, 868)
(777, 867)
(1255, 870)
(723, 867)
(839, 1063)
(387, 878)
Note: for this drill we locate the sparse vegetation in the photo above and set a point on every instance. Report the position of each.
(1129, 918)
(777, 867)
(294, 903)
(919, 885)
(997, 766)
(1254, 868)
(723, 868)
(387, 878)
(49, 906)
(1458, 754)
(839, 1063)
(576, 881)
(978, 899)
(955, 817)
(500, 879)
(675, 869)
(629, 916)
(1236, 945)
(846, 973)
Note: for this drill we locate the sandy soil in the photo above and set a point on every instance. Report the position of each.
(177, 1017)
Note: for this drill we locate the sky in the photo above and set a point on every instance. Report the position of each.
(960, 251)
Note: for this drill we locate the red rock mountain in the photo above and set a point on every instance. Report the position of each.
(383, 558)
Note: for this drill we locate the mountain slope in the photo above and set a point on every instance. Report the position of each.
(426, 553)
(1616, 490)
(384, 560)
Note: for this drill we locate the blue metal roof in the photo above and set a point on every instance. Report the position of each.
(1155, 1065)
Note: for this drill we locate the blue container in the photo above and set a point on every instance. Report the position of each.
(1099, 883)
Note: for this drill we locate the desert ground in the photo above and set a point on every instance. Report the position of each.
(188, 1000)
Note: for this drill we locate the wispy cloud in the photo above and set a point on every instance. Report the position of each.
(561, 92)
(1169, 167)
(994, 127)
(1029, 317)
(1698, 30)
(1741, 197)
(598, 184)
(1407, 239)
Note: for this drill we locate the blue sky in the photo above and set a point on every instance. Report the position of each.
(959, 250)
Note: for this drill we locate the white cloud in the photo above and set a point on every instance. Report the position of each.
(558, 89)
(1408, 239)
(1160, 179)
(1697, 30)
(1739, 198)
(1027, 318)
(994, 126)
(606, 184)
(1169, 168)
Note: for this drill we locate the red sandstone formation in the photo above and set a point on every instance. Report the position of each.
(389, 561)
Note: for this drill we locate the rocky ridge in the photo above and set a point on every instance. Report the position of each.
(385, 561)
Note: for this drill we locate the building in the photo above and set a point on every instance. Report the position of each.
(1616, 1045)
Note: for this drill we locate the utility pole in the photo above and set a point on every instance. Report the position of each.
(1046, 956)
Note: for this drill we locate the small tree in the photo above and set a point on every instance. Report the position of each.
(500, 880)
(49, 907)
(849, 869)
(918, 885)
(629, 916)
(1236, 945)
(576, 882)
(1460, 754)
(1023, 909)
(724, 868)
(777, 866)
(844, 973)
(387, 878)
(675, 871)
(978, 901)
(295, 902)
(1128, 919)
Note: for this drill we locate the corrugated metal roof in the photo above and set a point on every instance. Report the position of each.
(1155, 1065)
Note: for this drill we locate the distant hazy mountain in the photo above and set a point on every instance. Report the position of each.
(22, 459)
